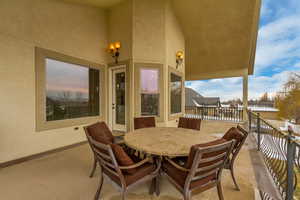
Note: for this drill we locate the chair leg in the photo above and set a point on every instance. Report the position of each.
(99, 188)
(94, 168)
(233, 178)
(157, 189)
(187, 196)
(123, 194)
(220, 192)
(152, 187)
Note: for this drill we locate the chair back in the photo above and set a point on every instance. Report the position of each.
(239, 145)
(100, 132)
(240, 135)
(189, 123)
(107, 160)
(209, 162)
(144, 122)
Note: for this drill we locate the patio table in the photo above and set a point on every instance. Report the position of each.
(165, 141)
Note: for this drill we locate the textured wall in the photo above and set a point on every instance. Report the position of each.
(120, 28)
(78, 31)
(148, 31)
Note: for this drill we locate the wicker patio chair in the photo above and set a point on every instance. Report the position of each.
(144, 122)
(202, 170)
(189, 123)
(101, 133)
(240, 135)
(120, 169)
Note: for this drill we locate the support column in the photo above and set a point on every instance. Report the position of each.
(245, 96)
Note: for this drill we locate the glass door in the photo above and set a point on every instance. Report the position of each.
(118, 99)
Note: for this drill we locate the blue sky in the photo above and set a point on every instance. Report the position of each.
(277, 55)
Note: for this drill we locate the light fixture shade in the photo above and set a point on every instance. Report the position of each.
(117, 45)
(111, 46)
(179, 55)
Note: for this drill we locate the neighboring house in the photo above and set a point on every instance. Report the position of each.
(193, 98)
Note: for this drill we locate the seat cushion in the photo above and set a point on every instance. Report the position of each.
(180, 176)
(193, 150)
(234, 133)
(101, 133)
(141, 172)
(122, 158)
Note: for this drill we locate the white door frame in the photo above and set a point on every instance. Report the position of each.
(111, 111)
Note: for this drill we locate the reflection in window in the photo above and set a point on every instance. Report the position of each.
(72, 91)
(149, 92)
(176, 93)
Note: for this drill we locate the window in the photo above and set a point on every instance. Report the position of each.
(149, 80)
(72, 91)
(68, 90)
(176, 93)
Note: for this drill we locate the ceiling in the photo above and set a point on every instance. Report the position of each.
(220, 36)
(97, 3)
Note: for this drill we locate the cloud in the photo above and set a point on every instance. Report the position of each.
(278, 43)
(232, 88)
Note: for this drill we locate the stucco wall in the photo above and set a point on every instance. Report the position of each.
(120, 28)
(71, 29)
(149, 31)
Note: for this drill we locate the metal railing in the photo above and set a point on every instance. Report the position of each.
(215, 113)
(281, 153)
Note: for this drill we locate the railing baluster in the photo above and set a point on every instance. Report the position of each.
(291, 149)
(258, 131)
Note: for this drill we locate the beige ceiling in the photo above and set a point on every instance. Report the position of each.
(220, 36)
(97, 3)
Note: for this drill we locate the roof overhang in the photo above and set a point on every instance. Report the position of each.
(220, 36)
(96, 3)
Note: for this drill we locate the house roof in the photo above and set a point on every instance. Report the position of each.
(193, 98)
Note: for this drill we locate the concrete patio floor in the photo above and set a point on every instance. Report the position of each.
(64, 176)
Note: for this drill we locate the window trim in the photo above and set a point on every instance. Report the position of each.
(180, 74)
(40, 65)
(159, 67)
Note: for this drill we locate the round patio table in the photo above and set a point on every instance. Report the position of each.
(166, 141)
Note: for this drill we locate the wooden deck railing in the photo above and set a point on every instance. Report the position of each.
(215, 113)
(281, 153)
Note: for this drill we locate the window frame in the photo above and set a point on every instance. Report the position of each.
(138, 68)
(40, 72)
(180, 74)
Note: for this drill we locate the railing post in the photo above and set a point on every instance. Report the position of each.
(291, 148)
(258, 131)
(249, 120)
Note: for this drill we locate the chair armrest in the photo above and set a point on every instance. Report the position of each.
(119, 141)
(177, 166)
(136, 164)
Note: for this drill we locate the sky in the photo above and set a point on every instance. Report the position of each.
(63, 76)
(277, 54)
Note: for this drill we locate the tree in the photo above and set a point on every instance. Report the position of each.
(288, 101)
(264, 97)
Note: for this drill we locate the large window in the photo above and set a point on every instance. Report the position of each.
(176, 93)
(68, 90)
(72, 91)
(149, 80)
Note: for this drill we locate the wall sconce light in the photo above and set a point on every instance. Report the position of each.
(179, 58)
(113, 49)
